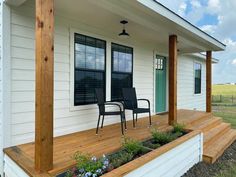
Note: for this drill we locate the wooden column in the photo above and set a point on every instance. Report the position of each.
(172, 80)
(208, 80)
(44, 31)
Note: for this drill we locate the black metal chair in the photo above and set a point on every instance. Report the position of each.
(131, 103)
(102, 109)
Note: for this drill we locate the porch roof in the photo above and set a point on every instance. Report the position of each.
(150, 23)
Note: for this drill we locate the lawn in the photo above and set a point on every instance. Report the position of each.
(229, 171)
(225, 108)
(224, 90)
(227, 112)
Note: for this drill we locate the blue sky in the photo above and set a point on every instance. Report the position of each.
(217, 18)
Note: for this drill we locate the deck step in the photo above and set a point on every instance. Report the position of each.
(206, 124)
(214, 133)
(216, 148)
(199, 119)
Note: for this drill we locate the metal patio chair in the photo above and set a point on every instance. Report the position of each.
(131, 103)
(102, 109)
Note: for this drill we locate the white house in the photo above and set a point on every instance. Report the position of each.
(87, 45)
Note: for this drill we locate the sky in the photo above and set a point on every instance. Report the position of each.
(217, 18)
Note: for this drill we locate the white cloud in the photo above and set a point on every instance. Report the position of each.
(195, 4)
(224, 30)
(209, 28)
(182, 8)
(234, 62)
(214, 6)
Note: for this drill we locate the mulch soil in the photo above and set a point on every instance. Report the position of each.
(202, 169)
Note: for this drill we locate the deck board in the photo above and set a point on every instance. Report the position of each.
(108, 140)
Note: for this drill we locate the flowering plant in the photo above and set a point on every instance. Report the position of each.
(88, 166)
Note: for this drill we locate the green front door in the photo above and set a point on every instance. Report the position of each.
(160, 69)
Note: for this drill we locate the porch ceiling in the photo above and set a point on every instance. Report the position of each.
(145, 26)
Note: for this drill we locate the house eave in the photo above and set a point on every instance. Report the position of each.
(14, 2)
(202, 57)
(215, 45)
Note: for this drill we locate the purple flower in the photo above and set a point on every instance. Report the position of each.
(81, 170)
(106, 162)
(88, 174)
(99, 171)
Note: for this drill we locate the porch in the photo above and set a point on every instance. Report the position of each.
(108, 140)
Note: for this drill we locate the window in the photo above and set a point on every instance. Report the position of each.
(160, 63)
(122, 70)
(197, 78)
(90, 56)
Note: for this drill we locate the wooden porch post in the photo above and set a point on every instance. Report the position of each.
(208, 80)
(44, 33)
(172, 80)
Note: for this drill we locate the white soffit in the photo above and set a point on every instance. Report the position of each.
(170, 15)
(202, 57)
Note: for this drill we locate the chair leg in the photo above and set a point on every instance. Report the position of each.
(136, 117)
(133, 121)
(102, 121)
(121, 124)
(125, 125)
(124, 119)
(98, 124)
(150, 118)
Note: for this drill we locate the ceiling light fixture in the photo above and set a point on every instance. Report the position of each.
(124, 34)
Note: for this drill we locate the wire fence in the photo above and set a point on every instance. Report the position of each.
(224, 99)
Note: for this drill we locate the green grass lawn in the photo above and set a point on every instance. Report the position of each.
(227, 117)
(225, 109)
(224, 90)
(228, 171)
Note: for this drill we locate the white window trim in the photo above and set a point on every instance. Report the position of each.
(197, 94)
(88, 106)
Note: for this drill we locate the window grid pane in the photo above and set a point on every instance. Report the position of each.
(197, 78)
(122, 70)
(89, 68)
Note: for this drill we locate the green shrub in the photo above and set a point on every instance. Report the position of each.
(149, 144)
(161, 137)
(87, 165)
(178, 128)
(132, 146)
(119, 158)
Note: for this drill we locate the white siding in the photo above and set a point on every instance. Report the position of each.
(1, 138)
(66, 119)
(173, 163)
(185, 76)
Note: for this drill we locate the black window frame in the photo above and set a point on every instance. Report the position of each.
(90, 70)
(199, 90)
(118, 72)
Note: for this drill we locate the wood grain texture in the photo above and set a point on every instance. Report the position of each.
(172, 79)
(108, 140)
(208, 80)
(44, 84)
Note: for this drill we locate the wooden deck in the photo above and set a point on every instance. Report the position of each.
(108, 140)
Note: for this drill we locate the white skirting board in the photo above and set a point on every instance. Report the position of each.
(175, 162)
(11, 169)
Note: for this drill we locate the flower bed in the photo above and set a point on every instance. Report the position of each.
(130, 152)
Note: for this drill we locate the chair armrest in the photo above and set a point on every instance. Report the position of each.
(145, 100)
(113, 104)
